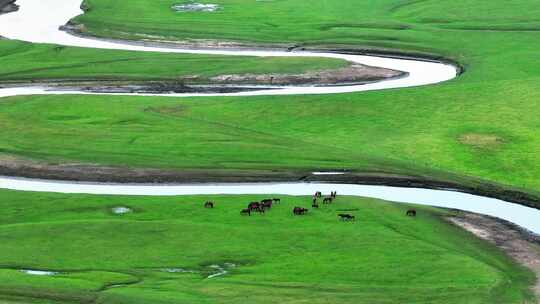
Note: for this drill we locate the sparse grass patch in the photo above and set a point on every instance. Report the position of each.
(481, 141)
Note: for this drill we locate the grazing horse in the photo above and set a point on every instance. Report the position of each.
(209, 205)
(299, 211)
(246, 211)
(411, 212)
(259, 209)
(266, 204)
(254, 205)
(327, 200)
(346, 217)
(276, 200)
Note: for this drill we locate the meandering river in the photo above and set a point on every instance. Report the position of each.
(37, 22)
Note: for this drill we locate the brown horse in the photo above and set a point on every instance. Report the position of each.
(411, 212)
(209, 204)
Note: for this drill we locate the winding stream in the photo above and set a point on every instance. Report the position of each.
(37, 22)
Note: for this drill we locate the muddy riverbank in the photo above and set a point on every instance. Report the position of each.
(10, 166)
(519, 244)
(8, 6)
(354, 74)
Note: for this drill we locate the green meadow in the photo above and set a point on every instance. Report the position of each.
(382, 257)
(24, 62)
(478, 128)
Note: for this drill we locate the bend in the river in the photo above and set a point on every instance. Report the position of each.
(36, 22)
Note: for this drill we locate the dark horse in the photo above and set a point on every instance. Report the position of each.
(277, 200)
(266, 204)
(333, 194)
(259, 209)
(209, 205)
(254, 205)
(327, 200)
(318, 194)
(246, 211)
(411, 212)
(346, 217)
(299, 211)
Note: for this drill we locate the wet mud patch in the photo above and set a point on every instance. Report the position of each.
(481, 140)
(8, 6)
(207, 271)
(192, 6)
(218, 270)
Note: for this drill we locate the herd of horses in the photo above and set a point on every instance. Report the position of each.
(260, 207)
(266, 204)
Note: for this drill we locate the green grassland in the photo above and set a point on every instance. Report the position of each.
(482, 125)
(382, 257)
(24, 62)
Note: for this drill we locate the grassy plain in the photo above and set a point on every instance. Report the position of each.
(416, 131)
(383, 257)
(24, 62)
(482, 125)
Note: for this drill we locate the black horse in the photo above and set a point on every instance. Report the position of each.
(346, 217)
(259, 209)
(411, 212)
(266, 204)
(209, 204)
(276, 200)
(300, 211)
(327, 200)
(254, 205)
